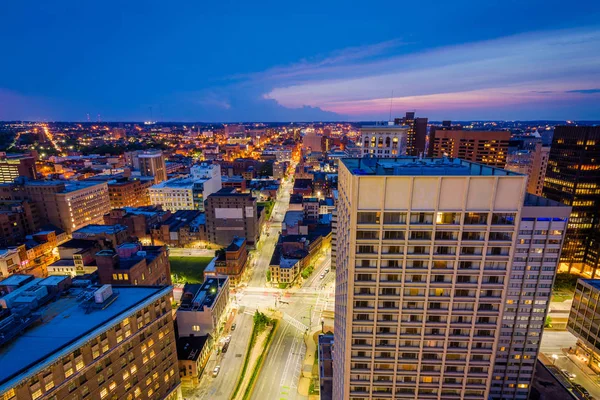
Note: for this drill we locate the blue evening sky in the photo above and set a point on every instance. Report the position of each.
(298, 61)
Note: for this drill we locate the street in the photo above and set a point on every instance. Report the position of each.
(554, 343)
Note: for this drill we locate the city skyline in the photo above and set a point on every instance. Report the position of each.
(241, 62)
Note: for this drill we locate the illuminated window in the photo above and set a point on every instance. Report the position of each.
(103, 393)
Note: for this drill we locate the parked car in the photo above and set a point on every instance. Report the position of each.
(233, 326)
(321, 276)
(216, 371)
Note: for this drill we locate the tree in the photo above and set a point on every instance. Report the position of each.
(268, 275)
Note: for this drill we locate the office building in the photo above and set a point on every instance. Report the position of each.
(203, 306)
(94, 342)
(573, 178)
(416, 137)
(423, 255)
(129, 193)
(540, 235)
(531, 162)
(184, 193)
(484, 147)
(583, 321)
(69, 205)
(230, 215)
(152, 163)
(138, 220)
(383, 141)
(13, 166)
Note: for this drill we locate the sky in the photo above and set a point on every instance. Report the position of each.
(279, 61)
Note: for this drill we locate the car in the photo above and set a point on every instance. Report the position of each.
(225, 347)
(233, 326)
(321, 276)
(326, 270)
(582, 390)
(216, 371)
(568, 374)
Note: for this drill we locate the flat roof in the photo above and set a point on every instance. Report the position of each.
(96, 229)
(531, 200)
(595, 283)
(179, 183)
(66, 326)
(427, 166)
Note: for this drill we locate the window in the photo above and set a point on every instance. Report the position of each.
(421, 218)
(394, 218)
(447, 218)
(503, 218)
(474, 218)
(369, 217)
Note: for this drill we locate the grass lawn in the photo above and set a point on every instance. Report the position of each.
(188, 269)
(268, 207)
(564, 286)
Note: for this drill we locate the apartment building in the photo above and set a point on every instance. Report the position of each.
(69, 205)
(542, 228)
(13, 166)
(485, 147)
(184, 193)
(95, 343)
(134, 264)
(152, 163)
(423, 255)
(230, 215)
(129, 193)
(383, 140)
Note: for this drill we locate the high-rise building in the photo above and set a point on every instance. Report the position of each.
(69, 205)
(416, 135)
(531, 162)
(573, 178)
(94, 343)
(152, 163)
(383, 141)
(423, 257)
(13, 166)
(484, 147)
(542, 226)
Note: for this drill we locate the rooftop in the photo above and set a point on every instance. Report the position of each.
(595, 283)
(99, 229)
(411, 166)
(65, 326)
(531, 200)
(182, 218)
(190, 347)
(178, 183)
(197, 296)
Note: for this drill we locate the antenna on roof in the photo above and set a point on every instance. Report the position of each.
(391, 102)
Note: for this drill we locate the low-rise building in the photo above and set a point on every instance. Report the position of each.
(184, 193)
(203, 307)
(181, 229)
(10, 262)
(115, 234)
(231, 261)
(130, 193)
(134, 264)
(95, 342)
(326, 366)
(76, 257)
(193, 353)
(138, 220)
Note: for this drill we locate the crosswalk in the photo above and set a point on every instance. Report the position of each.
(295, 323)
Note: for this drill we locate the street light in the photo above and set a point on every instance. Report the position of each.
(554, 358)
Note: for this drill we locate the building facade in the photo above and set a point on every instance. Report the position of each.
(14, 166)
(383, 140)
(416, 138)
(129, 193)
(184, 193)
(484, 147)
(573, 178)
(203, 307)
(583, 321)
(134, 264)
(152, 163)
(230, 215)
(533, 163)
(422, 272)
(542, 227)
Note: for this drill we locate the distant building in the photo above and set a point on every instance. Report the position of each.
(181, 229)
(484, 147)
(572, 178)
(138, 220)
(152, 163)
(129, 193)
(13, 166)
(68, 205)
(303, 187)
(383, 140)
(416, 136)
(184, 193)
(95, 342)
(532, 163)
(230, 215)
(18, 218)
(311, 140)
(235, 181)
(134, 264)
(203, 307)
(206, 171)
(115, 234)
